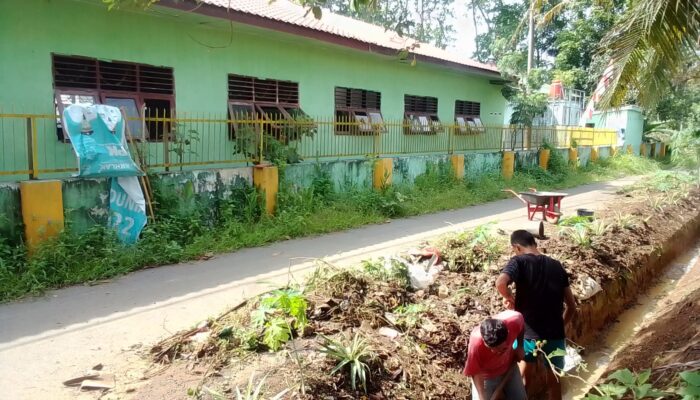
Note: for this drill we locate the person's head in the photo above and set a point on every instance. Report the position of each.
(494, 333)
(523, 242)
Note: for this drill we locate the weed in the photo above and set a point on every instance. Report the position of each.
(599, 227)
(625, 221)
(579, 235)
(471, 250)
(409, 316)
(656, 203)
(251, 392)
(352, 356)
(387, 269)
(622, 383)
(274, 313)
(574, 220)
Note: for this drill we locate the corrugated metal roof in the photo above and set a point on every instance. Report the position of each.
(290, 13)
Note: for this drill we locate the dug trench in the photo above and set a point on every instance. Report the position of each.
(413, 342)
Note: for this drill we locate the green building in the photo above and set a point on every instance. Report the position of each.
(203, 61)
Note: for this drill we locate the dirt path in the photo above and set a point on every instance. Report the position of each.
(47, 340)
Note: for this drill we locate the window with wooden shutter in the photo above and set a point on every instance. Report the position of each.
(138, 89)
(272, 100)
(358, 111)
(468, 117)
(421, 115)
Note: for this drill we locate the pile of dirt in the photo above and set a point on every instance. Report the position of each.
(418, 337)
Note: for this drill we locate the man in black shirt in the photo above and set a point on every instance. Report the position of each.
(541, 289)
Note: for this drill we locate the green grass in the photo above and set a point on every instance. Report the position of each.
(73, 258)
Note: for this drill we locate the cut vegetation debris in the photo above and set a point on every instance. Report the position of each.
(368, 332)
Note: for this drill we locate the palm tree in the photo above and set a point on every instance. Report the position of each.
(647, 47)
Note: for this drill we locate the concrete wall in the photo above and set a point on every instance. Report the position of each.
(629, 118)
(476, 164)
(526, 159)
(406, 169)
(345, 174)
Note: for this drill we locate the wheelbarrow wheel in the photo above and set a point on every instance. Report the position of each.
(552, 219)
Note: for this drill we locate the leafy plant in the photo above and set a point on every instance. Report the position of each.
(472, 250)
(689, 388)
(599, 227)
(251, 392)
(352, 357)
(409, 316)
(274, 314)
(579, 235)
(625, 221)
(181, 141)
(622, 383)
(656, 203)
(384, 269)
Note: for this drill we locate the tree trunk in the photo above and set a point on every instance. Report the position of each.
(530, 37)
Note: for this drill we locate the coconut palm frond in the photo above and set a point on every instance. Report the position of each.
(647, 48)
(554, 12)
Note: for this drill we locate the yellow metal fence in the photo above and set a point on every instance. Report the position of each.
(33, 145)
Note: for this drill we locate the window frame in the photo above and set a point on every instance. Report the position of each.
(472, 122)
(433, 126)
(257, 106)
(100, 94)
(359, 118)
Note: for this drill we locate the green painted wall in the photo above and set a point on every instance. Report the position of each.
(161, 37)
(407, 169)
(345, 174)
(85, 203)
(476, 164)
(629, 118)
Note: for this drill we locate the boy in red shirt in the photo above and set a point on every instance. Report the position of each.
(492, 357)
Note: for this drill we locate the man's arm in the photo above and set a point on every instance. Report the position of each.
(502, 285)
(480, 383)
(520, 350)
(570, 302)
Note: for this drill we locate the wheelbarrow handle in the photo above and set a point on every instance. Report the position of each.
(515, 194)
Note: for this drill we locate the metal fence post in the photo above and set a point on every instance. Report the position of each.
(32, 150)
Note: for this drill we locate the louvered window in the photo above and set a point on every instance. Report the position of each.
(138, 89)
(420, 113)
(468, 117)
(358, 111)
(275, 101)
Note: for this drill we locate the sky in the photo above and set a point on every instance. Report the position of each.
(464, 30)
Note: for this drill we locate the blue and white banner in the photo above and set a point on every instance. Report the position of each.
(127, 208)
(97, 135)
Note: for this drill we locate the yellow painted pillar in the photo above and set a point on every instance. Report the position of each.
(457, 162)
(544, 158)
(662, 150)
(266, 179)
(383, 173)
(573, 156)
(613, 151)
(643, 149)
(42, 210)
(629, 149)
(508, 166)
(594, 154)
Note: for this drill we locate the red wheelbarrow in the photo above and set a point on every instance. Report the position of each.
(549, 203)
